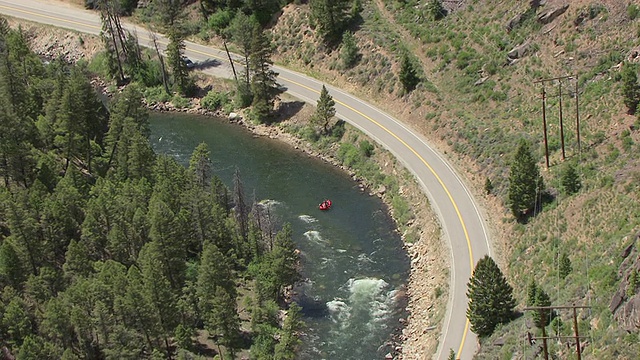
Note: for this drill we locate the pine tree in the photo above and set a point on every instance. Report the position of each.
(571, 179)
(436, 10)
(490, 298)
(200, 166)
(157, 293)
(325, 110)
(329, 17)
(542, 317)
(630, 87)
(263, 83)
(213, 272)
(565, 265)
(285, 349)
(11, 268)
(349, 52)
(170, 246)
(223, 320)
(524, 181)
(408, 75)
(285, 259)
(241, 31)
(175, 59)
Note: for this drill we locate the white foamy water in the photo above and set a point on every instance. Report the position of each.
(369, 304)
(307, 219)
(314, 236)
(269, 203)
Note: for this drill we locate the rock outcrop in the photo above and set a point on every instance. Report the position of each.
(625, 303)
(551, 14)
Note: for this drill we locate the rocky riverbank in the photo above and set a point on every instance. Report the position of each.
(427, 289)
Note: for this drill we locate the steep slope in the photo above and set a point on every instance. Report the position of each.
(478, 98)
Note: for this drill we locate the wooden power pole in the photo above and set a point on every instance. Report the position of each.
(544, 336)
(544, 114)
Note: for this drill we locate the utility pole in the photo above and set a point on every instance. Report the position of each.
(544, 336)
(561, 125)
(544, 125)
(577, 117)
(544, 116)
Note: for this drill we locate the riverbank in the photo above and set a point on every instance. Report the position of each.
(428, 283)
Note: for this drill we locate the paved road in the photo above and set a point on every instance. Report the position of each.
(461, 220)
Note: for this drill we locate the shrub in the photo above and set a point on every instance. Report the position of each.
(366, 148)
(348, 154)
(180, 102)
(150, 74)
(220, 20)
(156, 94)
(99, 65)
(215, 100)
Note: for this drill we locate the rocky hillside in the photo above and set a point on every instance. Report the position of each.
(478, 96)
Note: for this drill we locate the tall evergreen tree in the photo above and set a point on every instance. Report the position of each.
(349, 52)
(81, 121)
(565, 265)
(630, 87)
(175, 58)
(170, 13)
(223, 320)
(571, 179)
(241, 31)
(408, 74)
(329, 17)
(263, 83)
(524, 181)
(157, 293)
(542, 317)
(214, 272)
(325, 110)
(286, 347)
(200, 166)
(165, 234)
(285, 258)
(11, 266)
(490, 298)
(241, 208)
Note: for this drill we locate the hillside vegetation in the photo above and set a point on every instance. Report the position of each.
(477, 99)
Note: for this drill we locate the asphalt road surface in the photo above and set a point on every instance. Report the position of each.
(461, 220)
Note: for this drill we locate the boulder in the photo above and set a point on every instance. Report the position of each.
(515, 21)
(519, 51)
(616, 301)
(551, 14)
(628, 316)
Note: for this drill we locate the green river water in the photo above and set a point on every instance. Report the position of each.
(353, 261)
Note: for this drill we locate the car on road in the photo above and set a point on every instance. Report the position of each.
(190, 64)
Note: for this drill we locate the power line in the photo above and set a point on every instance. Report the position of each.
(544, 336)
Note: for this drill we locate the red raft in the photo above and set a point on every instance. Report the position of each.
(325, 205)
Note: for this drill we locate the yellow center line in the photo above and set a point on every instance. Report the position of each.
(455, 206)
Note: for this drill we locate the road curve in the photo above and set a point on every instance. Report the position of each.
(461, 220)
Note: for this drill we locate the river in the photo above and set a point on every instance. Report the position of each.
(352, 256)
